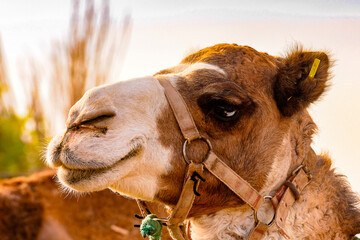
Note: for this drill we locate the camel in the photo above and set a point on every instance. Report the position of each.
(251, 150)
(34, 208)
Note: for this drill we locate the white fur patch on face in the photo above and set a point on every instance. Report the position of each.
(199, 65)
(277, 175)
(128, 157)
(186, 69)
(275, 178)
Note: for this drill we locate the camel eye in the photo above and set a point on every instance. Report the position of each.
(225, 112)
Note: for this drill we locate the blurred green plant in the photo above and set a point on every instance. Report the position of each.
(19, 145)
(19, 148)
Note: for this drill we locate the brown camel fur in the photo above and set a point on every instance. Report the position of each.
(250, 105)
(34, 208)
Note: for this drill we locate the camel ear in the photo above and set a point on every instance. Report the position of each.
(301, 79)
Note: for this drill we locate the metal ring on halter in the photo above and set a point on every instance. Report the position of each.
(304, 167)
(297, 169)
(207, 141)
(273, 219)
(161, 219)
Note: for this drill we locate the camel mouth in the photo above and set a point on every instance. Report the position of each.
(73, 176)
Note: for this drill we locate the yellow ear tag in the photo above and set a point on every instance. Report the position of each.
(314, 68)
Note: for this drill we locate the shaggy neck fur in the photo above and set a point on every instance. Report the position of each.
(324, 211)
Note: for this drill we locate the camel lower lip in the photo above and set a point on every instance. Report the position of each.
(76, 175)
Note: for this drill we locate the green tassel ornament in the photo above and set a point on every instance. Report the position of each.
(150, 227)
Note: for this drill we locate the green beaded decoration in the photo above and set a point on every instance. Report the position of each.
(150, 227)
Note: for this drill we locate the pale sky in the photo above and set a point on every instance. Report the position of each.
(165, 31)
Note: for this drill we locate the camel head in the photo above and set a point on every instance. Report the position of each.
(250, 105)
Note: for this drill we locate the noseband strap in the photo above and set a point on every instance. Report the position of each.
(223, 173)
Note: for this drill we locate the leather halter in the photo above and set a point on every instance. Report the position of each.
(282, 201)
